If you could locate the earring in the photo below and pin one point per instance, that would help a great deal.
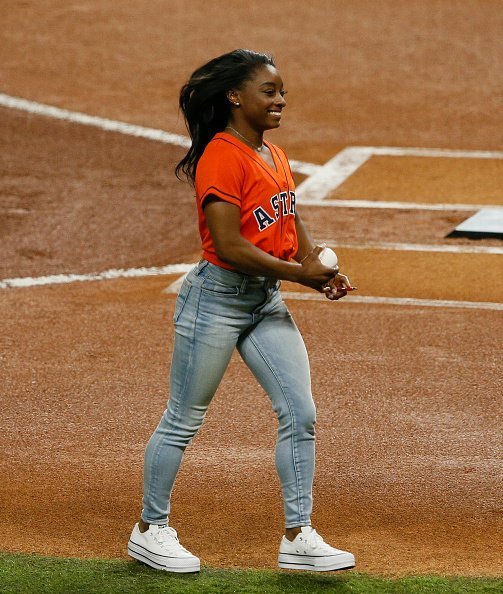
(236, 104)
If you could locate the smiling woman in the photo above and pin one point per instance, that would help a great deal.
(257, 107)
(252, 237)
(211, 97)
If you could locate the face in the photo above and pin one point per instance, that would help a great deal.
(261, 99)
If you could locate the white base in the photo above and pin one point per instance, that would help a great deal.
(486, 220)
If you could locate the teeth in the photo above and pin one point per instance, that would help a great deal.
(275, 112)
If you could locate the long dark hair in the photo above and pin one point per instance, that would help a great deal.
(204, 102)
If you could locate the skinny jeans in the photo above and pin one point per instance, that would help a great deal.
(216, 311)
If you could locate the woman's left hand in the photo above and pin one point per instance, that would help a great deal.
(337, 287)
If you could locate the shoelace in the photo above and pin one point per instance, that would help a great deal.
(314, 540)
(167, 537)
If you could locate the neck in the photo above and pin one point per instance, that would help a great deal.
(253, 138)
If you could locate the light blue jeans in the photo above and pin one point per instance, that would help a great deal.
(216, 311)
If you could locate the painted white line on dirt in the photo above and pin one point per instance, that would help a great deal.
(390, 204)
(121, 127)
(94, 121)
(304, 168)
(182, 269)
(298, 296)
(333, 173)
(322, 178)
(337, 170)
(174, 287)
(58, 279)
(414, 247)
(394, 151)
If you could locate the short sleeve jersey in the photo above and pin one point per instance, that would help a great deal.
(234, 173)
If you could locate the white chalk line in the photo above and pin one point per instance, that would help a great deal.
(60, 279)
(77, 117)
(182, 269)
(298, 296)
(115, 126)
(394, 151)
(336, 203)
(414, 247)
(338, 169)
(333, 174)
(322, 179)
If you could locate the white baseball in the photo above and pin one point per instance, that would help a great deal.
(328, 257)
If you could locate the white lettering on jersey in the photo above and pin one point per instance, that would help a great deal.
(284, 202)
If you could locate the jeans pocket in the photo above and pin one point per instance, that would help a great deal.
(216, 288)
(181, 300)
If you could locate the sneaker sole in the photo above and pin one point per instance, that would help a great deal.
(307, 563)
(158, 562)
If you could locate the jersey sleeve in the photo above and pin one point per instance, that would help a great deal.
(220, 172)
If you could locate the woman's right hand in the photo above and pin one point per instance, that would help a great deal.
(313, 273)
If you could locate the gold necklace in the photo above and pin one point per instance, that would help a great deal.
(257, 148)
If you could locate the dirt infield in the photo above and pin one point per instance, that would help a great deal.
(418, 73)
(409, 416)
(407, 432)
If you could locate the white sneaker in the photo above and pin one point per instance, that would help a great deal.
(309, 551)
(159, 547)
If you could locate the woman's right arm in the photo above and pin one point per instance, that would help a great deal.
(224, 223)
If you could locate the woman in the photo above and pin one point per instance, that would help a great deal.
(252, 237)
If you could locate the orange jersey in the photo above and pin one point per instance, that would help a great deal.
(233, 172)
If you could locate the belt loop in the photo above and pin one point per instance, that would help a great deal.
(244, 284)
(272, 284)
(201, 266)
